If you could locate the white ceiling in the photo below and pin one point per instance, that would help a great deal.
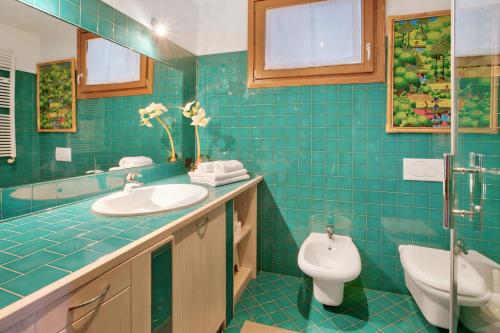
(217, 26)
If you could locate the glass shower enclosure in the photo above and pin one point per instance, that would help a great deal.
(472, 169)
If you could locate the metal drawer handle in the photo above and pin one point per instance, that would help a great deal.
(92, 300)
(203, 222)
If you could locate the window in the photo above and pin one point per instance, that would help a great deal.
(106, 69)
(297, 42)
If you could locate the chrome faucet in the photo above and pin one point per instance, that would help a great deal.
(329, 231)
(131, 182)
(461, 247)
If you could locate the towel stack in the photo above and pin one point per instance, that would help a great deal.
(219, 173)
(132, 162)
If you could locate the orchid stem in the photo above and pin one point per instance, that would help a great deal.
(198, 150)
(172, 147)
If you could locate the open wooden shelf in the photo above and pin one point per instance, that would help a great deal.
(245, 244)
(245, 231)
(241, 279)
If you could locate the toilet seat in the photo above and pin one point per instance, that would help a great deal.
(430, 268)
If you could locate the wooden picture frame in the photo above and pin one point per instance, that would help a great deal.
(419, 79)
(56, 96)
(144, 86)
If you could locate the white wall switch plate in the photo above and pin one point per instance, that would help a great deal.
(63, 154)
(423, 169)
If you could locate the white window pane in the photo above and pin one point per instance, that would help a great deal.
(477, 25)
(312, 35)
(108, 62)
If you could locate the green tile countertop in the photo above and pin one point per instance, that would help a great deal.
(39, 249)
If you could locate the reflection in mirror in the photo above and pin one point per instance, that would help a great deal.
(93, 130)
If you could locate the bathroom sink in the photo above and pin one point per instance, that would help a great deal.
(149, 200)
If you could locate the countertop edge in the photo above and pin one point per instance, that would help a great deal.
(29, 305)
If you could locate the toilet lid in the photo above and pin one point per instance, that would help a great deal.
(432, 267)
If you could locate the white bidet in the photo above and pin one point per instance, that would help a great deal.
(331, 263)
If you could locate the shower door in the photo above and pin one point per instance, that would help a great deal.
(472, 180)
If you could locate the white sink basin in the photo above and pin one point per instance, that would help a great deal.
(149, 200)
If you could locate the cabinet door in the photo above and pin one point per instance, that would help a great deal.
(204, 274)
(113, 316)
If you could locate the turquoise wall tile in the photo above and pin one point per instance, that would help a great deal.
(327, 160)
(70, 12)
(29, 247)
(49, 6)
(71, 245)
(90, 5)
(77, 260)
(28, 283)
(88, 20)
(6, 275)
(32, 261)
(7, 298)
(109, 245)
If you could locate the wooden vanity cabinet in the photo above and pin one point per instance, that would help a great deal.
(200, 271)
(121, 300)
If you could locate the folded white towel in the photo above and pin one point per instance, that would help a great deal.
(116, 168)
(227, 166)
(206, 167)
(217, 176)
(197, 180)
(135, 161)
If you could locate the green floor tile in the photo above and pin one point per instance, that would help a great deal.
(295, 308)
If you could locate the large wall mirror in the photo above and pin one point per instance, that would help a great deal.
(87, 124)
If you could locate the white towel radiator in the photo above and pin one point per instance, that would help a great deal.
(7, 101)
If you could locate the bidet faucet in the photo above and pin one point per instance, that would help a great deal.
(131, 182)
(329, 231)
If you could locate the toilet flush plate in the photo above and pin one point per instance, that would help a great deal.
(423, 169)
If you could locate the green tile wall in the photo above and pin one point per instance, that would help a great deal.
(327, 160)
(108, 129)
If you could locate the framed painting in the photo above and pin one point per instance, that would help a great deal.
(419, 80)
(419, 73)
(56, 96)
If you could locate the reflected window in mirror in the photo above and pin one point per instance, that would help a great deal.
(106, 69)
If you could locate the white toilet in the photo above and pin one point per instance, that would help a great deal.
(427, 276)
(331, 263)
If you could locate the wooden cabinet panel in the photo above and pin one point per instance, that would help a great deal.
(25, 326)
(204, 274)
(113, 316)
(59, 314)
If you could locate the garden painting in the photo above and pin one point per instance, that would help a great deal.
(419, 90)
(56, 96)
(419, 80)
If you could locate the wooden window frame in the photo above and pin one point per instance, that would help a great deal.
(144, 86)
(370, 70)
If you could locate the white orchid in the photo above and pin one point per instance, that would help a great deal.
(200, 119)
(154, 111)
(187, 109)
